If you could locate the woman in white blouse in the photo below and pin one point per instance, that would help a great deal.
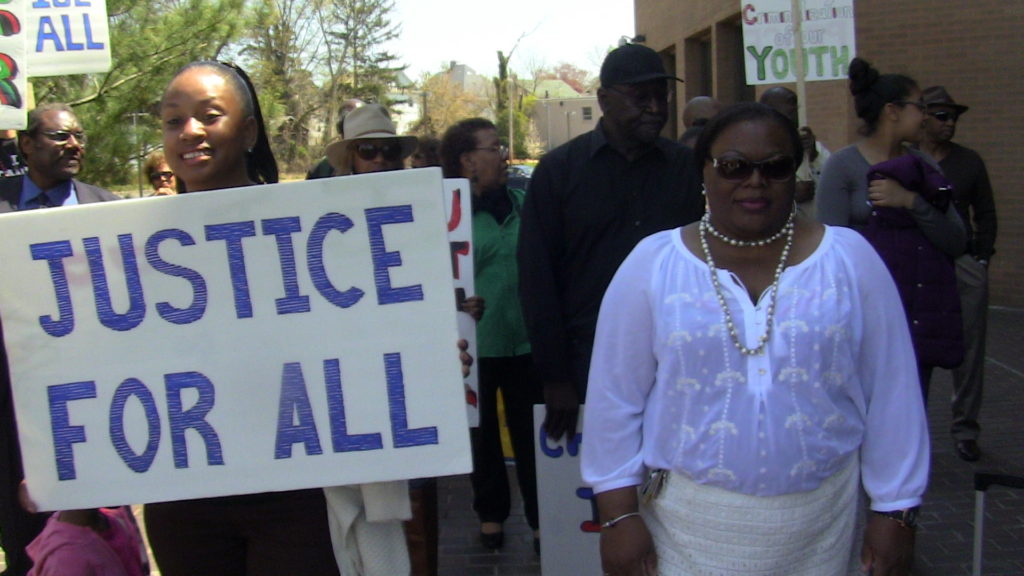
(753, 371)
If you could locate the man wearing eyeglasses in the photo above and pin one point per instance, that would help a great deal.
(972, 196)
(591, 201)
(53, 146)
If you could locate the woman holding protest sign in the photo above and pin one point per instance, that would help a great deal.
(214, 138)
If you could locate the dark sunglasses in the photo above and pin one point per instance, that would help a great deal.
(62, 136)
(736, 169)
(389, 151)
(161, 176)
(944, 116)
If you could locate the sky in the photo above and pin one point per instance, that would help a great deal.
(435, 32)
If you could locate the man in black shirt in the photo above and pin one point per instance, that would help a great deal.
(972, 196)
(591, 201)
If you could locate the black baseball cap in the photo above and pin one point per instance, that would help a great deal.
(632, 64)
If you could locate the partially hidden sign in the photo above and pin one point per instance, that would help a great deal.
(67, 37)
(769, 45)
(236, 341)
(13, 71)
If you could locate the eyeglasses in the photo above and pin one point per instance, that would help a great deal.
(502, 151)
(62, 136)
(736, 169)
(390, 151)
(161, 176)
(915, 103)
(641, 100)
(944, 116)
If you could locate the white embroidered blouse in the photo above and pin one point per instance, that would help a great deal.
(668, 389)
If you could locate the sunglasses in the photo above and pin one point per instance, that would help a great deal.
(944, 116)
(390, 151)
(62, 136)
(161, 176)
(778, 169)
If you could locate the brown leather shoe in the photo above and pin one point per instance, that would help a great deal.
(968, 450)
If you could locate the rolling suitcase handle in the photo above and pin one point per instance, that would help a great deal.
(982, 482)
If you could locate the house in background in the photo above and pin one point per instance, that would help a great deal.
(561, 114)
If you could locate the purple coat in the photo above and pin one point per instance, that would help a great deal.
(924, 275)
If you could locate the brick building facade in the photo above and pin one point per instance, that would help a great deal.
(973, 48)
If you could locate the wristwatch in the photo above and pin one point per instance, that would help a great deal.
(906, 517)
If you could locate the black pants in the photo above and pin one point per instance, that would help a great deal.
(271, 534)
(17, 527)
(520, 390)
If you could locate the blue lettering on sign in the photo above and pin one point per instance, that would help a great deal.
(282, 229)
(556, 451)
(48, 33)
(315, 259)
(69, 43)
(90, 44)
(341, 440)
(65, 436)
(232, 234)
(376, 218)
(403, 437)
(54, 253)
(59, 3)
(295, 402)
(132, 387)
(166, 311)
(195, 417)
(104, 308)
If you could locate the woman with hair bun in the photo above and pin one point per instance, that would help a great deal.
(897, 197)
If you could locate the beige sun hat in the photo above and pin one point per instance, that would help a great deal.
(369, 121)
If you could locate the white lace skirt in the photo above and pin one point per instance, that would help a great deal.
(707, 531)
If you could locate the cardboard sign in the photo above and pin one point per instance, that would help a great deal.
(236, 341)
(569, 527)
(459, 214)
(67, 37)
(829, 40)
(13, 86)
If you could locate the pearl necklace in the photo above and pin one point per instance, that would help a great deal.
(747, 243)
(762, 342)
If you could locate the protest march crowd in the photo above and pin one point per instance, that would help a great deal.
(747, 321)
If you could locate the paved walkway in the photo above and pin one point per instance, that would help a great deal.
(944, 541)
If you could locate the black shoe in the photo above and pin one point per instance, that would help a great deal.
(968, 450)
(492, 541)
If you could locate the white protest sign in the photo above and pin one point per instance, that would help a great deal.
(13, 89)
(569, 528)
(237, 341)
(67, 37)
(769, 48)
(458, 213)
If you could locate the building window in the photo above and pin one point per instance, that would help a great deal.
(588, 113)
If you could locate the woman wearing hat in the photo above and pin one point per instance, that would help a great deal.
(370, 143)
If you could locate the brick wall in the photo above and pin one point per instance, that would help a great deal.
(973, 48)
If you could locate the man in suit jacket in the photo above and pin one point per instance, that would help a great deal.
(53, 146)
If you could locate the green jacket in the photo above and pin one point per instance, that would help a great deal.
(501, 331)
